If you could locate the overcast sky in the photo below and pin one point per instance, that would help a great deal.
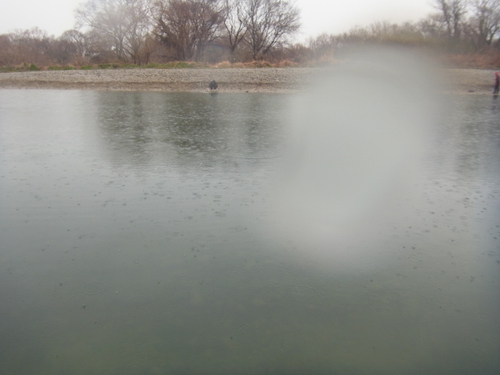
(317, 16)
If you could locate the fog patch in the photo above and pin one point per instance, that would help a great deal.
(356, 140)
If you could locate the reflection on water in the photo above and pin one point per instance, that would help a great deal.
(133, 241)
(185, 131)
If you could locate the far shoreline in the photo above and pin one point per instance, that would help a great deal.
(163, 80)
(230, 80)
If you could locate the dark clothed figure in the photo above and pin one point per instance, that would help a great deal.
(497, 83)
(213, 85)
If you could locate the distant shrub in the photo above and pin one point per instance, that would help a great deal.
(152, 66)
(223, 64)
(86, 67)
(54, 68)
(286, 64)
(108, 66)
(33, 67)
(175, 65)
(183, 64)
(485, 60)
(7, 69)
(259, 64)
(68, 67)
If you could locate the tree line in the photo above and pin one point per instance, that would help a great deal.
(142, 32)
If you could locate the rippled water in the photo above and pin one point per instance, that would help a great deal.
(135, 240)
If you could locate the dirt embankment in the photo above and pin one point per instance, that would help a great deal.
(229, 80)
(468, 81)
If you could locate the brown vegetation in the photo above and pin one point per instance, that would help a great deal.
(241, 33)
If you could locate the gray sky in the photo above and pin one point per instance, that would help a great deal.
(318, 16)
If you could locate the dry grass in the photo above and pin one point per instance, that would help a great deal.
(256, 64)
(487, 60)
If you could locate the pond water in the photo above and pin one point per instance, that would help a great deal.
(136, 237)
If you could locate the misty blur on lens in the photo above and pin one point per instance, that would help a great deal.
(357, 136)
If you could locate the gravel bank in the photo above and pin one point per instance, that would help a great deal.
(470, 81)
(230, 80)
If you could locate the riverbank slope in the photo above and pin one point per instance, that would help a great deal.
(477, 81)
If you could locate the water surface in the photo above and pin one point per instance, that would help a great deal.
(135, 240)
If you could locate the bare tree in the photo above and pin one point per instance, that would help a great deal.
(432, 27)
(79, 45)
(234, 24)
(451, 14)
(124, 24)
(268, 23)
(32, 46)
(188, 26)
(323, 47)
(7, 55)
(98, 48)
(484, 24)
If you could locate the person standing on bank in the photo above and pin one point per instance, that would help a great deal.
(497, 83)
(212, 86)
